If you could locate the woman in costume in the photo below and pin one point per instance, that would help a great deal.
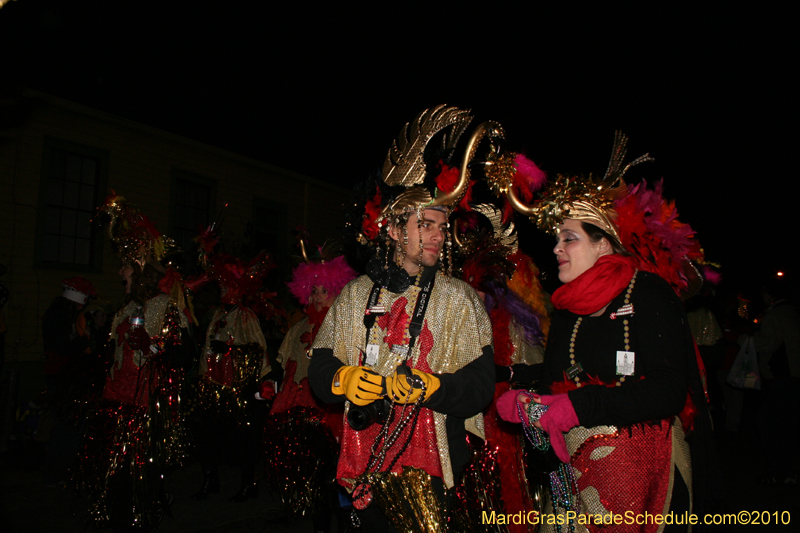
(135, 434)
(303, 432)
(507, 281)
(224, 413)
(620, 363)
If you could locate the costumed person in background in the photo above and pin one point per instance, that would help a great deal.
(136, 434)
(59, 327)
(710, 341)
(495, 479)
(408, 347)
(224, 414)
(620, 365)
(778, 346)
(303, 433)
(64, 347)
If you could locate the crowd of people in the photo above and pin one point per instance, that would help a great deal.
(440, 386)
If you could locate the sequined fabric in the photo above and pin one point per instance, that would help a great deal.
(236, 326)
(409, 500)
(295, 390)
(705, 328)
(458, 329)
(294, 348)
(137, 430)
(627, 470)
(135, 375)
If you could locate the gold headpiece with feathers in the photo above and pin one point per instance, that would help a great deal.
(575, 197)
(504, 235)
(135, 238)
(405, 165)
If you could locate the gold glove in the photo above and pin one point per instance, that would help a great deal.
(401, 390)
(359, 384)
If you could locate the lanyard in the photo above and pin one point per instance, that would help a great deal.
(372, 312)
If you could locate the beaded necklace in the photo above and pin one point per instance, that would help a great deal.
(626, 310)
(362, 494)
(563, 483)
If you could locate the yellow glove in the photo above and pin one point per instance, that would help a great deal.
(359, 384)
(401, 391)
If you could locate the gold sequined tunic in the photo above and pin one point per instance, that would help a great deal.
(455, 333)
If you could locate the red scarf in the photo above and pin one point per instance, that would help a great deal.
(595, 288)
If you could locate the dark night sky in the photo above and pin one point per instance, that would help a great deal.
(324, 90)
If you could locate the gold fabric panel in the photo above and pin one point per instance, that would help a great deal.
(155, 311)
(579, 434)
(242, 326)
(704, 326)
(293, 348)
(523, 352)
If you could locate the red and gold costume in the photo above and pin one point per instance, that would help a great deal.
(455, 344)
(137, 430)
(303, 432)
(369, 331)
(226, 374)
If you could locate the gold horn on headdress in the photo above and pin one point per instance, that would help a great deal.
(405, 164)
(573, 197)
(489, 129)
(303, 251)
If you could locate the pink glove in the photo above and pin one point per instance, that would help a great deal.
(559, 418)
(507, 406)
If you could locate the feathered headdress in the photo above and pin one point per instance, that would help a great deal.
(242, 282)
(491, 261)
(640, 219)
(321, 266)
(409, 182)
(134, 237)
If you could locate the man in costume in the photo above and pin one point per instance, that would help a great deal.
(407, 338)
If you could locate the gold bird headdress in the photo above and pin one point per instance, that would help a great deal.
(134, 236)
(405, 165)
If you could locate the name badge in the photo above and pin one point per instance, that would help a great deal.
(371, 355)
(626, 361)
